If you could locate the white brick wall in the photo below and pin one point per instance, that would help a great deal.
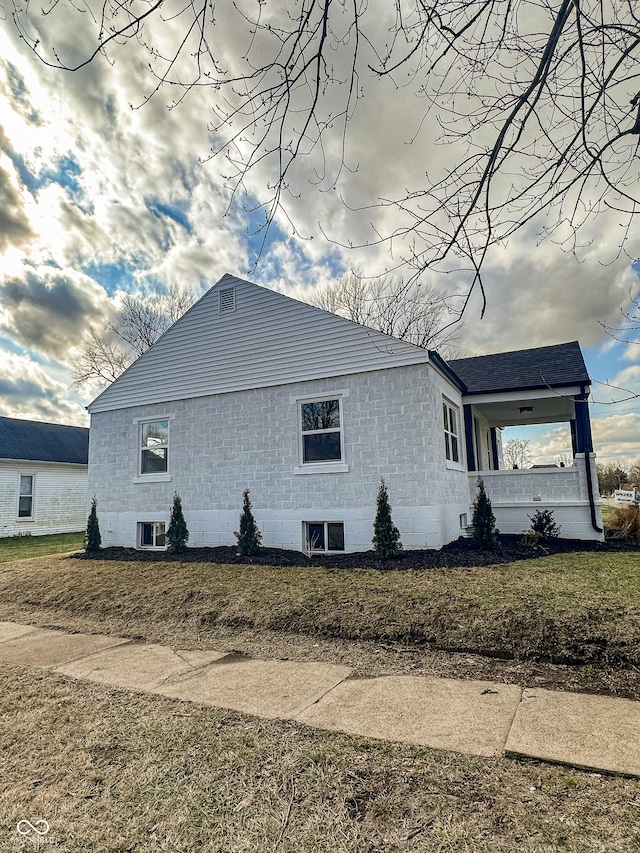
(222, 444)
(516, 495)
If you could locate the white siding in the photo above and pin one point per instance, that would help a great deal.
(219, 445)
(60, 498)
(268, 339)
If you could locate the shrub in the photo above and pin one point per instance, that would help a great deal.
(544, 524)
(485, 532)
(386, 536)
(624, 523)
(249, 536)
(178, 533)
(92, 538)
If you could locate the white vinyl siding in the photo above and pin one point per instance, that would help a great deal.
(269, 339)
(59, 498)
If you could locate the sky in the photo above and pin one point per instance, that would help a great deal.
(103, 194)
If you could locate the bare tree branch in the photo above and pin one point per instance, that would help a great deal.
(139, 324)
(540, 100)
(413, 312)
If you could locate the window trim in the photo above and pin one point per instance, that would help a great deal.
(32, 495)
(157, 476)
(450, 406)
(326, 549)
(327, 465)
(153, 547)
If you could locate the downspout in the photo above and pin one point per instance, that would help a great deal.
(592, 504)
(584, 438)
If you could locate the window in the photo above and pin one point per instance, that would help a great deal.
(321, 430)
(323, 535)
(154, 452)
(450, 432)
(25, 496)
(151, 534)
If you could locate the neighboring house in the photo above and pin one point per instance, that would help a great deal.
(43, 477)
(253, 389)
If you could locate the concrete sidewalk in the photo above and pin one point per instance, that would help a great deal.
(474, 717)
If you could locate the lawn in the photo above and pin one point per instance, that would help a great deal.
(574, 608)
(113, 771)
(580, 606)
(21, 547)
(116, 771)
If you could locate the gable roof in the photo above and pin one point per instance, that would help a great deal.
(41, 442)
(251, 338)
(523, 370)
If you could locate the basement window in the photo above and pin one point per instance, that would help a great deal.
(151, 534)
(323, 536)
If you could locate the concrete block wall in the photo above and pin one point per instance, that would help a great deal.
(516, 495)
(222, 444)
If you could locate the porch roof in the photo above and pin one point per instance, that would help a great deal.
(555, 366)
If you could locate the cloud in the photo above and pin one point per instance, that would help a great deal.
(48, 311)
(27, 391)
(15, 229)
(617, 437)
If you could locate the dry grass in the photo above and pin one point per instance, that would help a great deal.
(624, 523)
(114, 772)
(582, 607)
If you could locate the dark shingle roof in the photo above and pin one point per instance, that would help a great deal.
(43, 442)
(555, 366)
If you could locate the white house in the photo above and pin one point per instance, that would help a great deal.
(253, 389)
(43, 477)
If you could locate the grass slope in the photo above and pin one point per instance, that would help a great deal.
(581, 607)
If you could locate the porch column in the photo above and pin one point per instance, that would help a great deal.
(468, 435)
(494, 449)
(583, 439)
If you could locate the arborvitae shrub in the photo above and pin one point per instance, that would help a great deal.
(178, 533)
(485, 532)
(249, 537)
(386, 536)
(92, 538)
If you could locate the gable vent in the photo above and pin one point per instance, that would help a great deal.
(227, 299)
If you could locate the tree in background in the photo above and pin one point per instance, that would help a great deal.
(537, 102)
(610, 477)
(177, 532)
(563, 460)
(386, 536)
(138, 324)
(249, 536)
(516, 453)
(92, 538)
(485, 532)
(403, 309)
(633, 475)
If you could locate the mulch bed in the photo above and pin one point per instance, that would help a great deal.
(462, 552)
